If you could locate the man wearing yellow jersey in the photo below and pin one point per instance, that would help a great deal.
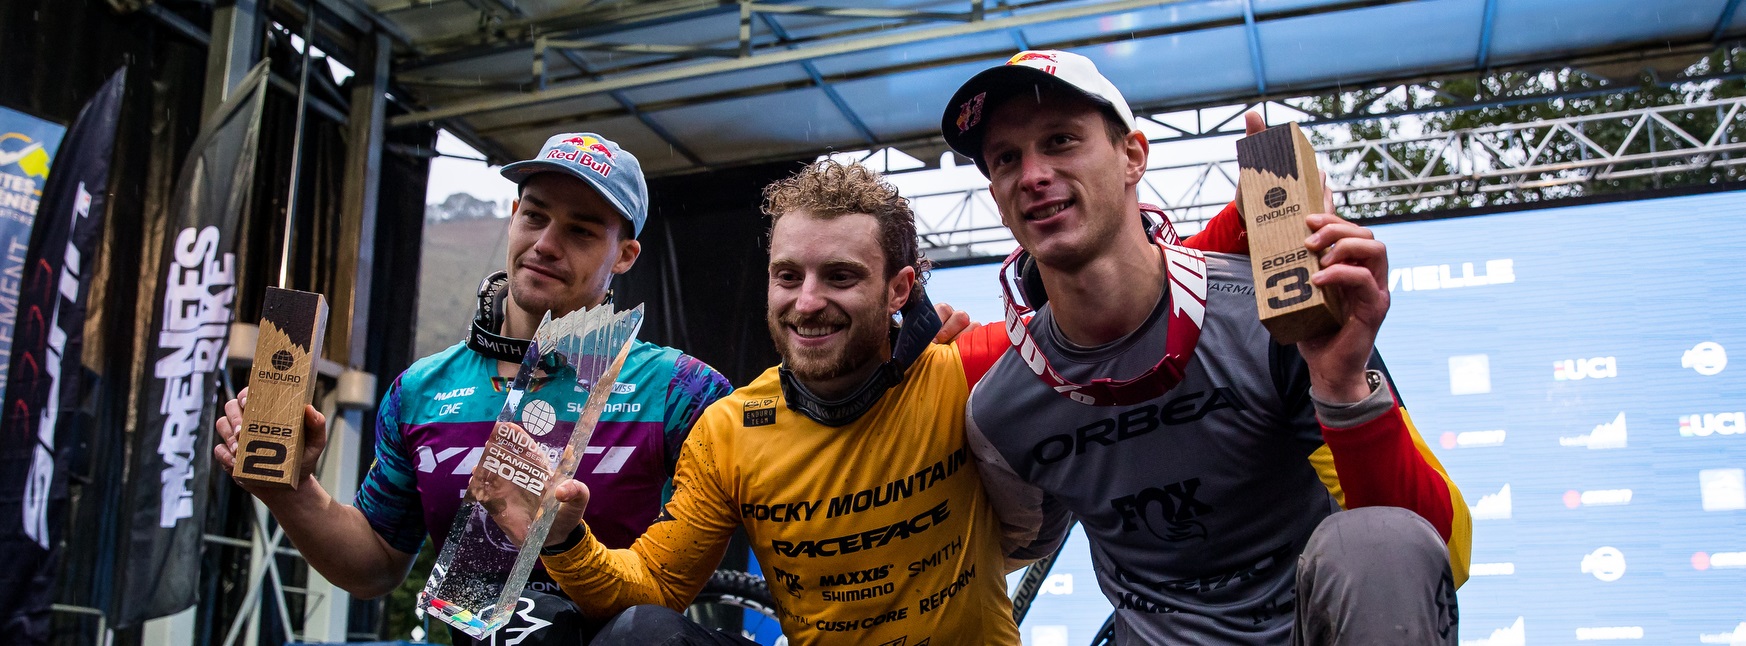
(846, 465)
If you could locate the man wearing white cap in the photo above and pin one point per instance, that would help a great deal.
(1209, 465)
(581, 204)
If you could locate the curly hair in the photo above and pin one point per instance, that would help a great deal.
(828, 189)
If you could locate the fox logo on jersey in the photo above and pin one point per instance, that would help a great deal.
(791, 581)
(1168, 513)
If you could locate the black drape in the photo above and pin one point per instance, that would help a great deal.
(57, 52)
(702, 272)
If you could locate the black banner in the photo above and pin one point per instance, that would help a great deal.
(45, 367)
(185, 348)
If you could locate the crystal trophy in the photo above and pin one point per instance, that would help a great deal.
(507, 512)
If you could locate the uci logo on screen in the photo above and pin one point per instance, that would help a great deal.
(1578, 369)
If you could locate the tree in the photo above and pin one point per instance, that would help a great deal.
(1425, 144)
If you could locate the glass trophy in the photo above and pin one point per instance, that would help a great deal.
(507, 512)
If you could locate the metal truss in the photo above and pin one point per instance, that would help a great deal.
(1415, 96)
(314, 611)
(1494, 87)
(265, 578)
(1393, 100)
(1466, 167)
(277, 597)
(504, 28)
(1542, 154)
(679, 63)
(558, 40)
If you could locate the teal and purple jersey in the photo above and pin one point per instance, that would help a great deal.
(432, 426)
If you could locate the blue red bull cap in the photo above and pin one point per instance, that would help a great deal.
(963, 122)
(611, 171)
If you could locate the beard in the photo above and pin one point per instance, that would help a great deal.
(533, 300)
(543, 294)
(863, 337)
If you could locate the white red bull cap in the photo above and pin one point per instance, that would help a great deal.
(611, 171)
(962, 124)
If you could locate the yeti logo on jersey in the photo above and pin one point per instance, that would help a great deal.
(612, 459)
(1168, 513)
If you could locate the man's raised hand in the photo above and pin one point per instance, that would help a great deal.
(228, 424)
(1354, 264)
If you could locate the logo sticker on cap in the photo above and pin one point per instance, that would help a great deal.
(591, 144)
(606, 167)
(1031, 56)
(1021, 57)
(583, 146)
(586, 142)
(970, 113)
(1066, 70)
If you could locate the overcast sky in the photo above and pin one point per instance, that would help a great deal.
(449, 175)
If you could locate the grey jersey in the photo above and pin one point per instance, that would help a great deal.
(1198, 502)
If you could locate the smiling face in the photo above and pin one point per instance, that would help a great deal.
(1064, 188)
(830, 304)
(565, 244)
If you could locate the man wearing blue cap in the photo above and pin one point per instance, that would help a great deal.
(581, 204)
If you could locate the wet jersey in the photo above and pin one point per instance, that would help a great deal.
(875, 532)
(432, 426)
(1197, 502)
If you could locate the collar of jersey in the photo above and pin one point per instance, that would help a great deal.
(920, 324)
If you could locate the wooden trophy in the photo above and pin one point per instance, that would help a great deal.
(1282, 185)
(281, 382)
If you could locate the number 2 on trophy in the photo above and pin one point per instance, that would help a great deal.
(262, 454)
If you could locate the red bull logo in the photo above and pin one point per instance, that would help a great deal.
(1023, 57)
(1031, 56)
(584, 159)
(585, 142)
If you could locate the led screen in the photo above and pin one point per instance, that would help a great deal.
(1569, 367)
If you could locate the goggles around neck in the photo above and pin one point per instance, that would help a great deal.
(1185, 275)
(488, 319)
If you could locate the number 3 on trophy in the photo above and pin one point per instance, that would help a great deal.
(1295, 288)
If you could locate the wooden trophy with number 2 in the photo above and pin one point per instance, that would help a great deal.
(269, 446)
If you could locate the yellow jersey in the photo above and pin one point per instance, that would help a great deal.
(876, 532)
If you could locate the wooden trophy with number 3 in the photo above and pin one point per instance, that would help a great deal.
(1281, 186)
